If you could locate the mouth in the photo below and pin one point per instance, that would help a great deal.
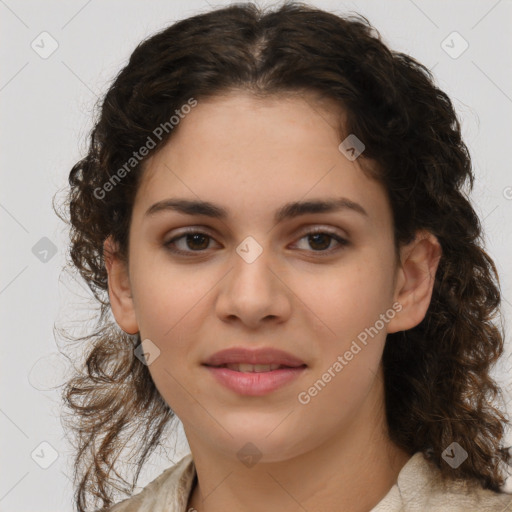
(254, 371)
(255, 368)
(253, 360)
(254, 379)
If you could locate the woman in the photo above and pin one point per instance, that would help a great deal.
(273, 208)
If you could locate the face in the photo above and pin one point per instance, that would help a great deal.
(310, 285)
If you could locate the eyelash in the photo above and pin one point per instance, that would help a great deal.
(341, 241)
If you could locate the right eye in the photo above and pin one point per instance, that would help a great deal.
(197, 241)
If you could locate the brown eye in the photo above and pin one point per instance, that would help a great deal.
(193, 241)
(187, 243)
(197, 241)
(320, 240)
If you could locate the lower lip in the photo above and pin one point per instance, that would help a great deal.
(253, 383)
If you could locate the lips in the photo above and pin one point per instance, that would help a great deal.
(252, 368)
(254, 372)
(253, 360)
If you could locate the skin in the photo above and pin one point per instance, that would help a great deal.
(251, 156)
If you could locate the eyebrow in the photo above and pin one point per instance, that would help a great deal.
(287, 211)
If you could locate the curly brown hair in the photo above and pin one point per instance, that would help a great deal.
(438, 387)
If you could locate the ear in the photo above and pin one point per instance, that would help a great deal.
(119, 289)
(415, 280)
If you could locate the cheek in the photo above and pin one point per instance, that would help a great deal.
(165, 295)
(170, 304)
(345, 301)
(340, 398)
(351, 304)
(174, 327)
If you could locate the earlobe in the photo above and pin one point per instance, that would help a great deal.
(119, 288)
(415, 280)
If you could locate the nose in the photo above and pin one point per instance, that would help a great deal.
(254, 292)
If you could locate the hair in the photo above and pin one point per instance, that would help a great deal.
(438, 386)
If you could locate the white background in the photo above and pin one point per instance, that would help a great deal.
(46, 114)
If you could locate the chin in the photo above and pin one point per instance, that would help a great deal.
(262, 443)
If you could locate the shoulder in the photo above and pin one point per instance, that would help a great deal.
(420, 488)
(167, 493)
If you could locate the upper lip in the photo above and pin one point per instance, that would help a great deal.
(253, 356)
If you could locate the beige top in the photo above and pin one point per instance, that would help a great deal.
(418, 489)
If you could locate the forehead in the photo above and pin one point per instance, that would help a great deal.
(253, 155)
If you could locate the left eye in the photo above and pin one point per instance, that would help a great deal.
(198, 241)
(322, 240)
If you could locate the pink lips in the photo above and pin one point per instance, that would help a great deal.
(253, 356)
(254, 383)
